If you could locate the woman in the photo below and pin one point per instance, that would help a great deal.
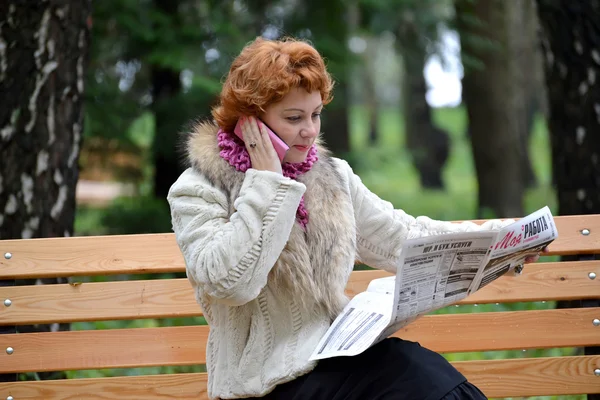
(269, 245)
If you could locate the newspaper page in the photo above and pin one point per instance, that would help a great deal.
(358, 326)
(438, 271)
(526, 237)
(433, 272)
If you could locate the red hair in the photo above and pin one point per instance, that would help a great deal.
(266, 71)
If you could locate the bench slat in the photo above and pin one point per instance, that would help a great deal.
(145, 347)
(129, 254)
(496, 378)
(91, 256)
(533, 376)
(165, 298)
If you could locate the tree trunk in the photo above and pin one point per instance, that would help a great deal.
(570, 37)
(571, 43)
(43, 56)
(166, 86)
(372, 106)
(335, 126)
(524, 51)
(363, 72)
(429, 145)
(490, 99)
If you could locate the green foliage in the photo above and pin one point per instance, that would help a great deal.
(137, 215)
(416, 23)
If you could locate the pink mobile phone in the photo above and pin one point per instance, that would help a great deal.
(280, 147)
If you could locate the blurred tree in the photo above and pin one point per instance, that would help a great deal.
(371, 97)
(570, 38)
(527, 75)
(493, 103)
(416, 25)
(364, 70)
(43, 57)
(428, 144)
(165, 84)
(524, 56)
(326, 25)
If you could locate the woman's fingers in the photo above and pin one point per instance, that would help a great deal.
(259, 146)
(532, 259)
(264, 134)
(535, 258)
(251, 137)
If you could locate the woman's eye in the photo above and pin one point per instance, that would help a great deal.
(293, 119)
(316, 115)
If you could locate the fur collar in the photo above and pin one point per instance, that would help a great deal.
(315, 265)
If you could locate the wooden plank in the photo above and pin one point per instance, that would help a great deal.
(543, 281)
(505, 330)
(145, 347)
(157, 298)
(544, 376)
(111, 348)
(190, 386)
(166, 298)
(90, 256)
(539, 282)
(156, 253)
(496, 378)
(571, 240)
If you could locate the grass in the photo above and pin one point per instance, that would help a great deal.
(387, 171)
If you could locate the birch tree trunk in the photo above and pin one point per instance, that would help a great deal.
(570, 37)
(571, 45)
(43, 57)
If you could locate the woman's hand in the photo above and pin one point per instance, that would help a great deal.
(259, 146)
(532, 259)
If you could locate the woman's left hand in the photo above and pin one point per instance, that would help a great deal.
(535, 258)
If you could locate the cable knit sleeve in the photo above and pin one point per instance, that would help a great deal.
(381, 229)
(229, 258)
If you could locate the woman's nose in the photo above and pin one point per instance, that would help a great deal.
(310, 131)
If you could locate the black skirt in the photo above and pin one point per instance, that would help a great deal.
(393, 369)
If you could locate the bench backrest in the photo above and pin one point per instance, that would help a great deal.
(160, 330)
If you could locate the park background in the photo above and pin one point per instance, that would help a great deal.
(452, 109)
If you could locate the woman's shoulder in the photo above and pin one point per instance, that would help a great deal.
(192, 182)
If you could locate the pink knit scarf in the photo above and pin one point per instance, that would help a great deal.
(234, 151)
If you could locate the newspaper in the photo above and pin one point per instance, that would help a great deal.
(434, 272)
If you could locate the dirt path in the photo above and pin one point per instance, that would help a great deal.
(101, 193)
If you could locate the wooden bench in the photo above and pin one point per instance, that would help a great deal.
(123, 295)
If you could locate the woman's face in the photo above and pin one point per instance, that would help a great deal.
(297, 121)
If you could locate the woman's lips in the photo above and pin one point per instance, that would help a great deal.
(301, 148)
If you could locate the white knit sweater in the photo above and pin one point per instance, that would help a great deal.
(260, 334)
